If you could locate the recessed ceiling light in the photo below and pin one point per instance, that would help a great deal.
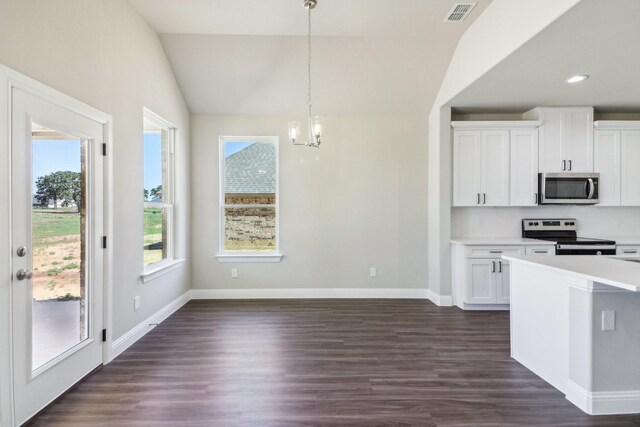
(576, 79)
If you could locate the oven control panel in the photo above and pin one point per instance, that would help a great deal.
(562, 224)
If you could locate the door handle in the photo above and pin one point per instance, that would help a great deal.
(500, 265)
(569, 164)
(23, 274)
(592, 188)
(564, 165)
(493, 266)
(477, 198)
(535, 198)
(484, 198)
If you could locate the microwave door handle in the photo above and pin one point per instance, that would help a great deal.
(592, 188)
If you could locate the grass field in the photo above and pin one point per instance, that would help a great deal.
(56, 250)
(56, 254)
(152, 234)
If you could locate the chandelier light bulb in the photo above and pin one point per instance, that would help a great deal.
(294, 131)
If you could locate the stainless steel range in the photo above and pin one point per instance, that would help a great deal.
(563, 231)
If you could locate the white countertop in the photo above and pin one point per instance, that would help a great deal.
(507, 241)
(613, 271)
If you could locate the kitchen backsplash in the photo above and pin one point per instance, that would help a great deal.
(593, 221)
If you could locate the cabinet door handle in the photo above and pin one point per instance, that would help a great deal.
(495, 252)
(564, 165)
(630, 251)
(569, 164)
(535, 198)
(540, 252)
(493, 266)
(500, 265)
(484, 198)
(477, 198)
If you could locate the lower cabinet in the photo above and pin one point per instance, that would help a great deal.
(481, 278)
(487, 281)
(628, 250)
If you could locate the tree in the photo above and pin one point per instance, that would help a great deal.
(156, 193)
(62, 187)
(146, 195)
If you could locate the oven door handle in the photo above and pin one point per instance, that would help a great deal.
(596, 247)
(592, 188)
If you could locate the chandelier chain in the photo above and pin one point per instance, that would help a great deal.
(309, 56)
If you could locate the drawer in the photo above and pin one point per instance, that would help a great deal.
(628, 250)
(541, 250)
(493, 251)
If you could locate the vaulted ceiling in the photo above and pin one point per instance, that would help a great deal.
(249, 56)
(597, 38)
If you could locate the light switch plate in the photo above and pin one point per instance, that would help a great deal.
(234, 273)
(136, 303)
(373, 272)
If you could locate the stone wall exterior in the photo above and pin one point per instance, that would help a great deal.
(250, 228)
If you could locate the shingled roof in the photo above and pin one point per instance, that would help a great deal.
(251, 170)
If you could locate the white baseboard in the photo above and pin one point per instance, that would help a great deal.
(603, 402)
(440, 300)
(310, 293)
(128, 339)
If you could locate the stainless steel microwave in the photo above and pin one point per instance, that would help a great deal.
(568, 188)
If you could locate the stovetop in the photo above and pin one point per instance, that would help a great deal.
(563, 240)
(563, 231)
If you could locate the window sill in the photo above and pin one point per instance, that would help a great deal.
(160, 268)
(249, 257)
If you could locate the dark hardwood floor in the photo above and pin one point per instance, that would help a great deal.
(320, 363)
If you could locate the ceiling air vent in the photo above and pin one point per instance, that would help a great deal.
(459, 12)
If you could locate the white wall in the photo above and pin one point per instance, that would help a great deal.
(481, 48)
(104, 54)
(357, 202)
(593, 221)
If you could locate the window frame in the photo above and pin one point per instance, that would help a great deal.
(245, 256)
(153, 270)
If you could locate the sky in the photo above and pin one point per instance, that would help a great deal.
(152, 160)
(55, 155)
(232, 147)
(64, 155)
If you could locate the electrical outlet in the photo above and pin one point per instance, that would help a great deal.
(136, 303)
(234, 273)
(373, 272)
(608, 320)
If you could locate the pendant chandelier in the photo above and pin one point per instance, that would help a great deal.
(314, 122)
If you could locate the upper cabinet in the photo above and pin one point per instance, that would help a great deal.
(565, 138)
(524, 167)
(617, 156)
(481, 168)
(495, 163)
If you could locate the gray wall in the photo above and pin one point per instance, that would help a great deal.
(357, 202)
(104, 54)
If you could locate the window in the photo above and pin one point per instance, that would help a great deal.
(158, 191)
(249, 199)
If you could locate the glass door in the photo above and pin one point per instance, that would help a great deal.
(57, 257)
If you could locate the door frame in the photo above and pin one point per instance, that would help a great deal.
(10, 79)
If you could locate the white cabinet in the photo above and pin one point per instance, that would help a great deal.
(541, 250)
(524, 167)
(630, 168)
(628, 250)
(481, 168)
(616, 159)
(481, 278)
(481, 287)
(566, 138)
(487, 281)
(606, 147)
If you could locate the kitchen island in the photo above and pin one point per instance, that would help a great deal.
(575, 322)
